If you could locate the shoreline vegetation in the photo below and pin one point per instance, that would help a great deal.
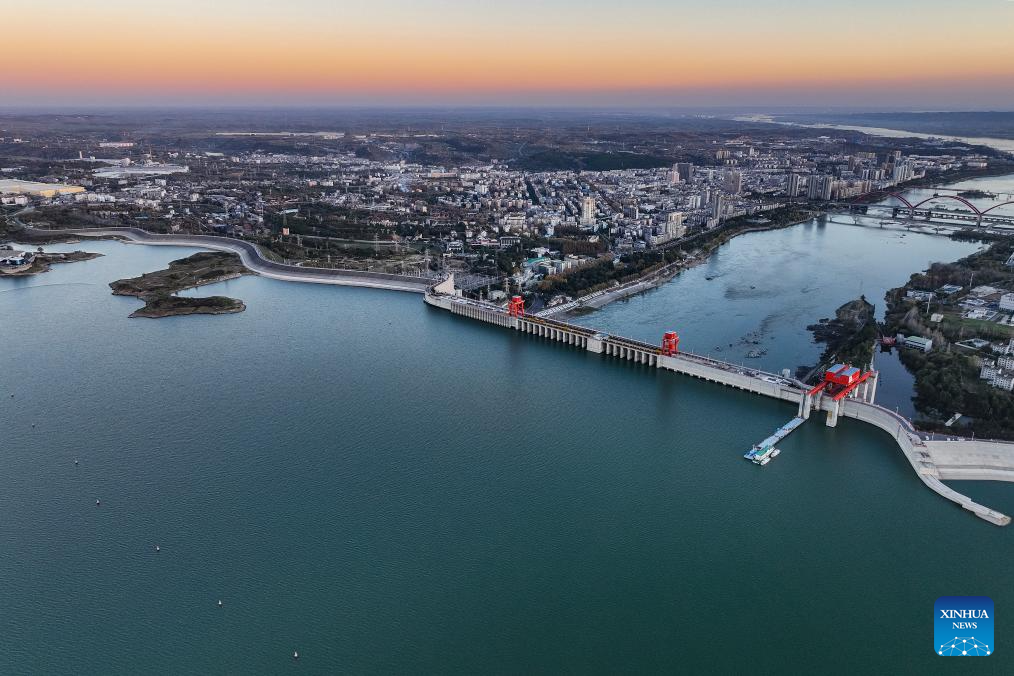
(597, 296)
(643, 271)
(157, 289)
(947, 378)
(591, 298)
(848, 338)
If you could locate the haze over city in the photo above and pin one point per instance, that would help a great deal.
(864, 53)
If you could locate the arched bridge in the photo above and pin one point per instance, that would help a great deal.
(975, 210)
(923, 211)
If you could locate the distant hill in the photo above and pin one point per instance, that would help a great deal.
(981, 124)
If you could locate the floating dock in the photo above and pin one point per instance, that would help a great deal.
(763, 452)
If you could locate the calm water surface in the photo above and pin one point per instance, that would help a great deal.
(759, 292)
(388, 488)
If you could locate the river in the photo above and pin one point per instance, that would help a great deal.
(388, 488)
(758, 293)
(1005, 145)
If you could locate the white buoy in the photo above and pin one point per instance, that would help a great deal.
(98, 502)
(295, 655)
(219, 603)
(157, 548)
(75, 462)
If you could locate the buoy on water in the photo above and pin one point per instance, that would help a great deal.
(219, 603)
(98, 502)
(295, 655)
(157, 548)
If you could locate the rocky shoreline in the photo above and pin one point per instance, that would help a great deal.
(158, 289)
(175, 306)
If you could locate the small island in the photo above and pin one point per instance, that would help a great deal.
(14, 263)
(157, 289)
(976, 194)
(848, 338)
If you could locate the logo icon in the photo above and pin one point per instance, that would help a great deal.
(963, 626)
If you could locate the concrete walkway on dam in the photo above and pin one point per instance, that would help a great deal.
(255, 261)
(933, 461)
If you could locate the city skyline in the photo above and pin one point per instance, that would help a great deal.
(927, 55)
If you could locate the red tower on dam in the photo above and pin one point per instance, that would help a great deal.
(841, 381)
(670, 343)
(516, 307)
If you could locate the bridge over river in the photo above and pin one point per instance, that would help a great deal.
(933, 461)
(932, 209)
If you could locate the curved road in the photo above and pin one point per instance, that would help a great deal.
(255, 261)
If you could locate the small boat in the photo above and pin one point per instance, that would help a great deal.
(775, 452)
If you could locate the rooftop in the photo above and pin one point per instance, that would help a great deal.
(19, 187)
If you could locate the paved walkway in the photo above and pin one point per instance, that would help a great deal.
(254, 260)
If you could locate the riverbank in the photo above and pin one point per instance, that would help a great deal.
(967, 334)
(996, 168)
(653, 277)
(658, 276)
(253, 258)
(848, 337)
(157, 289)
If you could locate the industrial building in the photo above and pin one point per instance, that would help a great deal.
(13, 186)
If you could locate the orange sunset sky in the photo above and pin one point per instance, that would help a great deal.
(639, 52)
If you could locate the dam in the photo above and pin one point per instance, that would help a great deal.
(933, 461)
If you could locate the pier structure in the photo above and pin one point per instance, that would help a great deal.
(852, 397)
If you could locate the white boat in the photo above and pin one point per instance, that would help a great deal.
(775, 452)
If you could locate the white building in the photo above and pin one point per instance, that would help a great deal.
(733, 182)
(674, 227)
(588, 210)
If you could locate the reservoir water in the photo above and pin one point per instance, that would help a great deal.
(388, 488)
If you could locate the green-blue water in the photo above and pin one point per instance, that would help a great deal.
(388, 488)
